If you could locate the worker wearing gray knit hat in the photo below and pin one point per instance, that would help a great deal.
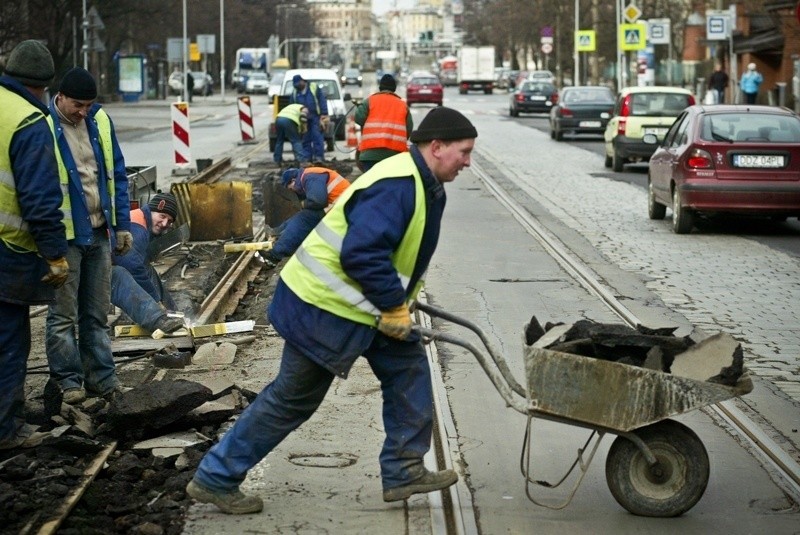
(33, 245)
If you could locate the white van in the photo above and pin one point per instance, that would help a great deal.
(328, 80)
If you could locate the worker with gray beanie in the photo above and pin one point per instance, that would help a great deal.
(385, 122)
(33, 245)
(346, 293)
(97, 218)
(136, 287)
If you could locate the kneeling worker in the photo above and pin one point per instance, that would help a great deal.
(318, 188)
(136, 287)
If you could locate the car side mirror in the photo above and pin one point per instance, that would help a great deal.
(650, 139)
(347, 97)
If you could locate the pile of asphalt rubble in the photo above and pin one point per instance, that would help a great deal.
(156, 433)
(655, 349)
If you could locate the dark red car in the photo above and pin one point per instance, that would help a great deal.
(424, 87)
(739, 159)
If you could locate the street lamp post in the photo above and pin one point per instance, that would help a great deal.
(222, 48)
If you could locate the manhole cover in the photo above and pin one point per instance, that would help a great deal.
(323, 460)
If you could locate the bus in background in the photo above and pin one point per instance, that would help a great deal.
(249, 60)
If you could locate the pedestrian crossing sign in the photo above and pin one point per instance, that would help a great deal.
(585, 41)
(633, 36)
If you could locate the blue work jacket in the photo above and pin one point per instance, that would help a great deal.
(80, 212)
(137, 260)
(377, 220)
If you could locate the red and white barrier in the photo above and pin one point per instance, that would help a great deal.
(180, 137)
(246, 120)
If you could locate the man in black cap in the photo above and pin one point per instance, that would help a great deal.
(136, 287)
(95, 209)
(385, 124)
(346, 293)
(33, 246)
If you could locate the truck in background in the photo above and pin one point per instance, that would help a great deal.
(448, 70)
(476, 69)
(249, 60)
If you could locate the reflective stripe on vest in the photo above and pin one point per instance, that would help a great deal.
(335, 186)
(385, 127)
(16, 113)
(315, 274)
(63, 181)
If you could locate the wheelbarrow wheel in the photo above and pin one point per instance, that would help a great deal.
(671, 487)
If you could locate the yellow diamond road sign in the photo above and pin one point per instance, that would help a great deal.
(632, 13)
(633, 36)
(585, 41)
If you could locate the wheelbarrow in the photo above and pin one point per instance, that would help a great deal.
(655, 467)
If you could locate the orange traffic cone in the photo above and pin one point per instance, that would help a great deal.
(352, 137)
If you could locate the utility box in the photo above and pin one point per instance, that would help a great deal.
(141, 184)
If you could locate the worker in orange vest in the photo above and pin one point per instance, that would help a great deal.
(385, 123)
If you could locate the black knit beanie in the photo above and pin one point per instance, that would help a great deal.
(164, 203)
(31, 63)
(444, 124)
(79, 84)
(387, 83)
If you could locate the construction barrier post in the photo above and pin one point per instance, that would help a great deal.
(246, 120)
(352, 136)
(180, 139)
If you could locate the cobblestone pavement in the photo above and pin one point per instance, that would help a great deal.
(718, 282)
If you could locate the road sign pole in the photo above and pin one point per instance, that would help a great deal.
(618, 8)
(576, 78)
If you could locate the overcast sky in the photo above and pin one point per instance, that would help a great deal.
(380, 7)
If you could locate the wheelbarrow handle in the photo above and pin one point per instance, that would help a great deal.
(500, 374)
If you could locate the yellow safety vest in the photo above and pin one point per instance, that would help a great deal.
(292, 111)
(315, 274)
(16, 113)
(63, 180)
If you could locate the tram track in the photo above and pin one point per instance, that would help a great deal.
(784, 470)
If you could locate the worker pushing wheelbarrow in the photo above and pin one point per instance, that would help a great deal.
(656, 466)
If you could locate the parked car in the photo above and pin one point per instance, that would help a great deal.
(639, 111)
(581, 110)
(328, 81)
(726, 159)
(257, 82)
(203, 83)
(352, 77)
(424, 87)
(532, 97)
(275, 83)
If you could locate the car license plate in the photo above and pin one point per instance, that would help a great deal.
(757, 160)
(589, 124)
(538, 97)
(660, 132)
(425, 91)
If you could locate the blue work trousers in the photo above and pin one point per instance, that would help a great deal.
(294, 230)
(77, 340)
(133, 299)
(287, 131)
(15, 345)
(297, 391)
(314, 140)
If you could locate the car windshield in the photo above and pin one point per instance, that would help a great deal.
(588, 96)
(760, 127)
(330, 88)
(425, 81)
(536, 87)
(351, 73)
(658, 104)
(258, 76)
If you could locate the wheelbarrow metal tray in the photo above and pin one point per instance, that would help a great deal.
(611, 395)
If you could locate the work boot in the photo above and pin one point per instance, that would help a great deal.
(232, 503)
(168, 324)
(26, 437)
(429, 482)
(73, 396)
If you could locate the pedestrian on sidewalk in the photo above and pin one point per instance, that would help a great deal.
(749, 84)
(385, 122)
(313, 98)
(291, 124)
(318, 188)
(136, 287)
(345, 293)
(33, 246)
(97, 217)
(717, 82)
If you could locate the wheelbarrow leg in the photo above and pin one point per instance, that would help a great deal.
(669, 486)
